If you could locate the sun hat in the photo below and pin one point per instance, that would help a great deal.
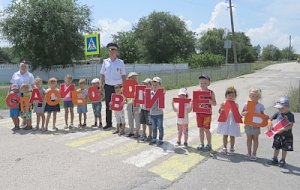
(283, 101)
(157, 79)
(95, 80)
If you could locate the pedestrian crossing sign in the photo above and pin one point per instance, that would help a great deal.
(92, 44)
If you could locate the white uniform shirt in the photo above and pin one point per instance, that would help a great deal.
(19, 79)
(113, 71)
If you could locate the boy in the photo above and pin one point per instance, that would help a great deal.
(15, 112)
(284, 138)
(120, 115)
(145, 119)
(97, 104)
(157, 114)
(82, 108)
(204, 119)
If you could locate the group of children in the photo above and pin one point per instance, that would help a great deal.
(139, 115)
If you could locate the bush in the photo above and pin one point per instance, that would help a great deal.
(294, 98)
(205, 59)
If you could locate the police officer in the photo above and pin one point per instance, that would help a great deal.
(112, 73)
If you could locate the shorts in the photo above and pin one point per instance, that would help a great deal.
(283, 141)
(82, 108)
(55, 108)
(97, 106)
(145, 117)
(38, 107)
(120, 117)
(249, 130)
(26, 115)
(203, 120)
(14, 112)
(68, 104)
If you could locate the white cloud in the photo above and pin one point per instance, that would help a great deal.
(109, 28)
(219, 18)
(271, 33)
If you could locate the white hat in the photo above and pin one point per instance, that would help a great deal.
(183, 91)
(132, 74)
(157, 79)
(95, 80)
(147, 80)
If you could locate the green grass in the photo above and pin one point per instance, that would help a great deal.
(178, 79)
(294, 98)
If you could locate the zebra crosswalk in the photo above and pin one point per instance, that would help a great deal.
(169, 161)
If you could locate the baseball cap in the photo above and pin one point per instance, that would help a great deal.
(204, 77)
(95, 80)
(157, 79)
(283, 101)
(183, 91)
(14, 87)
(132, 74)
(147, 80)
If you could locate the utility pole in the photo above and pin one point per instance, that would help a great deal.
(290, 48)
(233, 34)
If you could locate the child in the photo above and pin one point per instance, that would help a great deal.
(82, 108)
(182, 123)
(251, 131)
(26, 111)
(68, 104)
(39, 107)
(97, 104)
(203, 119)
(120, 115)
(157, 114)
(145, 119)
(229, 127)
(284, 138)
(15, 112)
(52, 84)
(133, 112)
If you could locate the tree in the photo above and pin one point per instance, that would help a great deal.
(271, 52)
(46, 32)
(212, 41)
(165, 37)
(288, 53)
(129, 47)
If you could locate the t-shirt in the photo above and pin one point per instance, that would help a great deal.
(113, 71)
(155, 110)
(19, 79)
(279, 116)
(259, 108)
(184, 120)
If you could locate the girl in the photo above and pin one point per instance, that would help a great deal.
(182, 123)
(39, 107)
(15, 112)
(82, 108)
(229, 127)
(120, 115)
(68, 104)
(52, 83)
(251, 131)
(26, 111)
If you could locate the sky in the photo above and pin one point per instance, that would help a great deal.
(264, 21)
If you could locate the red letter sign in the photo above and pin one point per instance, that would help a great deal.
(12, 100)
(64, 91)
(129, 88)
(36, 96)
(94, 94)
(158, 96)
(181, 105)
(139, 94)
(201, 102)
(116, 102)
(230, 105)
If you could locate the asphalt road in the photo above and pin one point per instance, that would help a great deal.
(96, 159)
